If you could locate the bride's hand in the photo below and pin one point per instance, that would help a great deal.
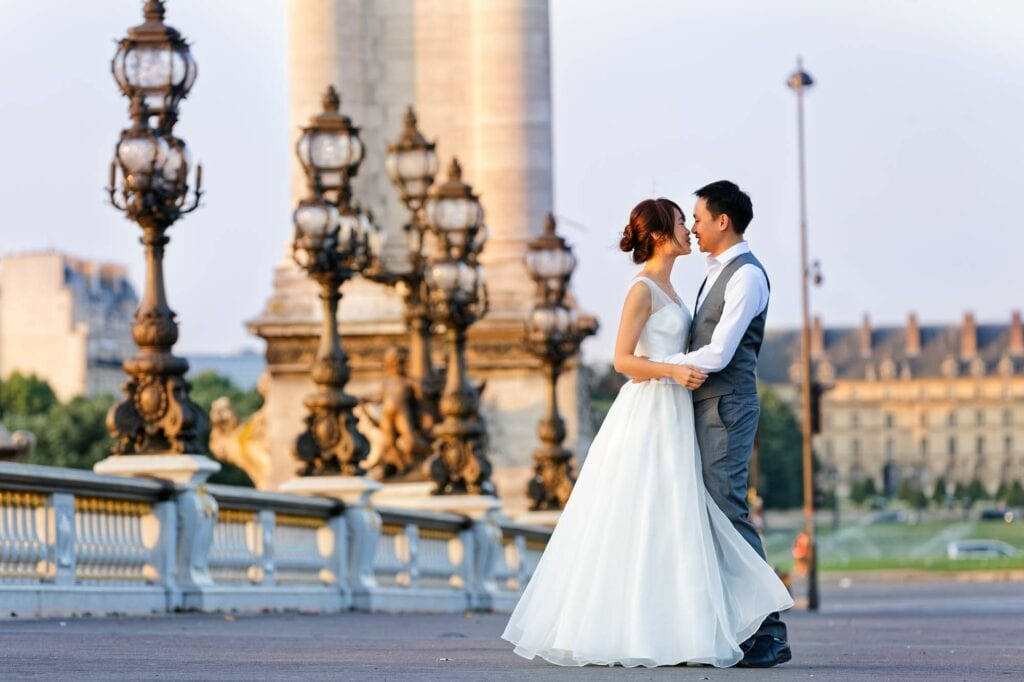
(690, 377)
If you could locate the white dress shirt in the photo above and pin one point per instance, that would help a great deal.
(746, 297)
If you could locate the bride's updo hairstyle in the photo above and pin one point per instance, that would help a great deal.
(650, 221)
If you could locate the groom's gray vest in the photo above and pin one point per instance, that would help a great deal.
(739, 375)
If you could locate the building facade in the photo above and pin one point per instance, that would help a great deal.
(66, 320)
(917, 403)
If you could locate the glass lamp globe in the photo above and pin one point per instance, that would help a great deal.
(412, 163)
(154, 61)
(329, 148)
(453, 207)
(314, 218)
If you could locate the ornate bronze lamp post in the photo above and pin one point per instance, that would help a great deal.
(457, 297)
(554, 334)
(412, 164)
(154, 68)
(333, 241)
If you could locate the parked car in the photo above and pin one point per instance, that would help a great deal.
(980, 549)
(997, 514)
(890, 516)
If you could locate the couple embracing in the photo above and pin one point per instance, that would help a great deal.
(654, 560)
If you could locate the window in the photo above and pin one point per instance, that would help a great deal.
(854, 420)
(951, 419)
(952, 445)
(924, 447)
(1007, 418)
(888, 448)
(979, 445)
(855, 447)
(888, 421)
(979, 417)
(1008, 444)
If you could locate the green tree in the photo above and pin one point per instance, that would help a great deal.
(72, 434)
(21, 394)
(912, 494)
(780, 454)
(1015, 495)
(939, 493)
(863, 490)
(976, 491)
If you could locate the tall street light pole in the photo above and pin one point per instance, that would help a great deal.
(799, 81)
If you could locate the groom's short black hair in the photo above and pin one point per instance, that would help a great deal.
(726, 197)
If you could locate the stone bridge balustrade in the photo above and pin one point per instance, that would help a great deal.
(76, 542)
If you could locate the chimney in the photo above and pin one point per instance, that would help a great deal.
(817, 338)
(865, 338)
(968, 337)
(913, 348)
(1016, 335)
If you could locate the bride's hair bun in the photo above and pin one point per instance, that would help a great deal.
(650, 221)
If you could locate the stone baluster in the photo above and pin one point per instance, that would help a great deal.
(197, 516)
(267, 531)
(62, 547)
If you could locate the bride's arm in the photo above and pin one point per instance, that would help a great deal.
(635, 312)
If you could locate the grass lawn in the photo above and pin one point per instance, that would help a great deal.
(913, 546)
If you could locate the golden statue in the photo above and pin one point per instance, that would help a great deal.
(403, 424)
(243, 444)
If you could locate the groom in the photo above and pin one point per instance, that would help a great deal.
(725, 338)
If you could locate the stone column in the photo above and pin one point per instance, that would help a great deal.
(478, 73)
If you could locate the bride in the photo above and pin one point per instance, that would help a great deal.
(643, 568)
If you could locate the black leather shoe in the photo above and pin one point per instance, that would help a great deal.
(765, 652)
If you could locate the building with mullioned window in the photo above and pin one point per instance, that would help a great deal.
(915, 403)
(66, 320)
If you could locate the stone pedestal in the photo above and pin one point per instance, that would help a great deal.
(417, 496)
(190, 471)
(547, 519)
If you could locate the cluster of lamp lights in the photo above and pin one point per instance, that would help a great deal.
(335, 239)
(554, 333)
(149, 182)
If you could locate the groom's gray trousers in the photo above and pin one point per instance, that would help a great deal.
(726, 426)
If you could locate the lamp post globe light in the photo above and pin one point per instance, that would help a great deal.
(149, 182)
(412, 164)
(457, 295)
(553, 333)
(330, 151)
(154, 63)
(333, 241)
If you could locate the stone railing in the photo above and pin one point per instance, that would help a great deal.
(75, 542)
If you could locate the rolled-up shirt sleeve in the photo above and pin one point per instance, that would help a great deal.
(746, 297)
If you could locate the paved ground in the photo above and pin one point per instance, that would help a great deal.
(878, 631)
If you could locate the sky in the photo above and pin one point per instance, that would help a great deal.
(915, 151)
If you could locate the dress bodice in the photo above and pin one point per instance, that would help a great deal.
(666, 329)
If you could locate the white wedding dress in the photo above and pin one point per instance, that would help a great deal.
(643, 568)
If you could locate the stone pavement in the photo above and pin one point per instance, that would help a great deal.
(879, 631)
